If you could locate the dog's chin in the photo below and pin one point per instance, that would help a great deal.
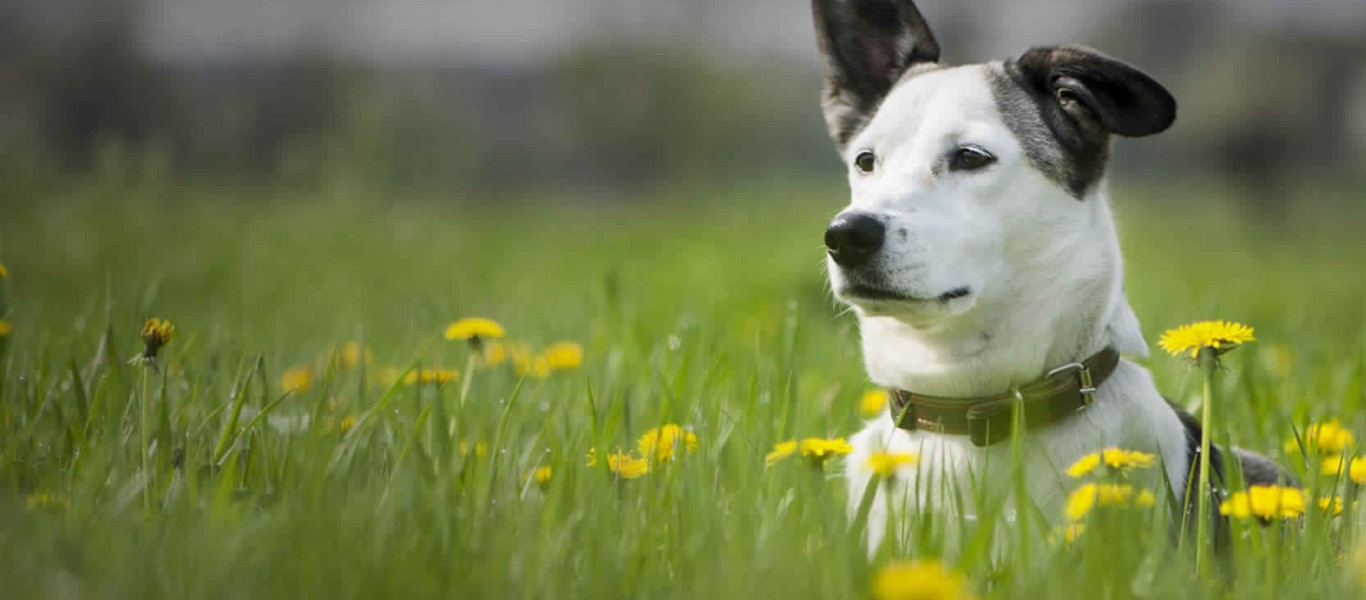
(914, 309)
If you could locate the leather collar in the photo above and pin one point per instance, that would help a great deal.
(1062, 392)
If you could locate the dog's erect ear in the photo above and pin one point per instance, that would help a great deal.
(866, 46)
(1081, 89)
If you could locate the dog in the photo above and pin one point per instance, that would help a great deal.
(980, 256)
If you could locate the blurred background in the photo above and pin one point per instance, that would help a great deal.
(472, 101)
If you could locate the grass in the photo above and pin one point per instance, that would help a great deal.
(712, 315)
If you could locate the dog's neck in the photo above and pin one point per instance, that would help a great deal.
(1064, 308)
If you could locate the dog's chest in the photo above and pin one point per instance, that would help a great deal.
(954, 476)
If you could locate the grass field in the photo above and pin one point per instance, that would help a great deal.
(711, 314)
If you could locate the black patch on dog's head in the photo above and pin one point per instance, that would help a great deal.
(1062, 104)
(867, 46)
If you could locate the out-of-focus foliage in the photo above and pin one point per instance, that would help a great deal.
(1268, 107)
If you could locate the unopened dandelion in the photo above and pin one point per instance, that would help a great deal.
(156, 334)
(542, 475)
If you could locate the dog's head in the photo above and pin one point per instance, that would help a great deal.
(964, 179)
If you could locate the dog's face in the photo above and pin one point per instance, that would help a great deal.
(936, 174)
(963, 179)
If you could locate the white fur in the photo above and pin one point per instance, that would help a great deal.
(1045, 276)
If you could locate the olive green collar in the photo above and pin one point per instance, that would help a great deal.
(1059, 394)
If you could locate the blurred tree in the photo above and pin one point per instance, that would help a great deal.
(95, 86)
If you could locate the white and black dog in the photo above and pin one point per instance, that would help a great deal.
(979, 254)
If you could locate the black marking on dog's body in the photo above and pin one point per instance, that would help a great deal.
(1255, 469)
(1189, 504)
(1063, 104)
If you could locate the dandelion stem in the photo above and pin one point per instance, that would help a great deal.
(147, 483)
(466, 378)
(1208, 365)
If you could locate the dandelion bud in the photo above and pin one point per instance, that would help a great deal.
(155, 334)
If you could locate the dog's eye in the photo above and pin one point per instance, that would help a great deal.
(865, 161)
(970, 158)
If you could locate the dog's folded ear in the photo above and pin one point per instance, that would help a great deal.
(866, 45)
(1082, 88)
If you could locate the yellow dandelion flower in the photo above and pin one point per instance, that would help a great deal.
(155, 334)
(347, 424)
(542, 475)
(780, 451)
(1331, 505)
(1084, 465)
(1356, 469)
(495, 354)
(918, 580)
(480, 448)
(661, 443)
(1330, 437)
(1080, 501)
(872, 402)
(1115, 458)
(1265, 502)
(1084, 498)
(563, 356)
(820, 449)
(530, 366)
(1146, 498)
(353, 353)
(626, 466)
(46, 501)
(297, 379)
(5, 327)
(886, 464)
(1222, 336)
(3, 272)
(474, 329)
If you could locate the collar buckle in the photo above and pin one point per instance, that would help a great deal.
(1087, 387)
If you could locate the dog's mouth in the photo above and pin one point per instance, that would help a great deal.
(861, 291)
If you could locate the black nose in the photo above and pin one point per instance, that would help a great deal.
(853, 237)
